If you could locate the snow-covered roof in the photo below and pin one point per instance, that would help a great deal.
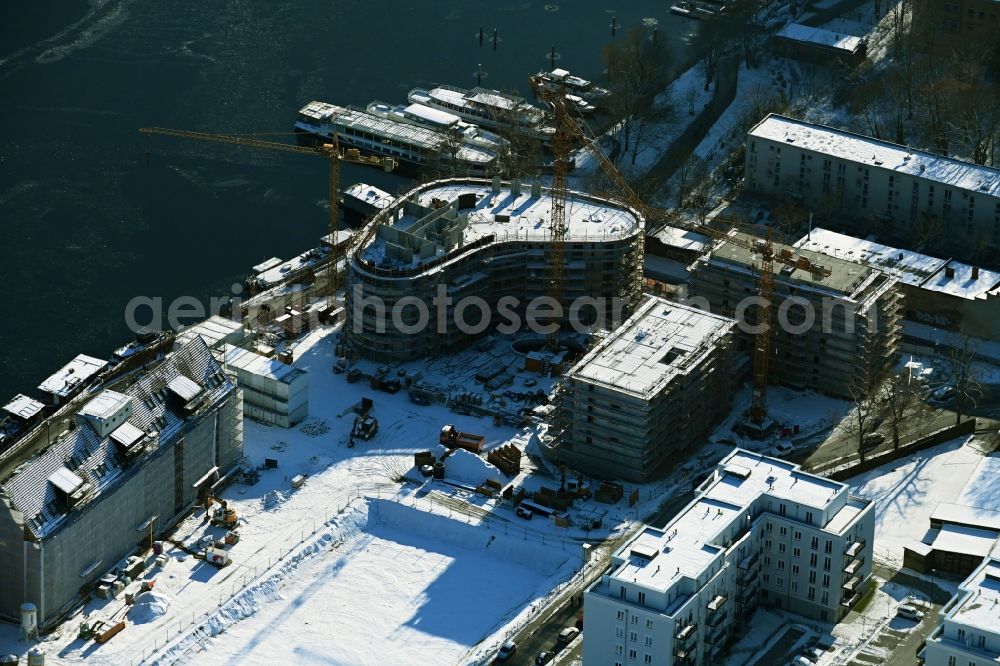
(960, 514)
(261, 366)
(279, 273)
(213, 331)
(23, 407)
(94, 459)
(797, 32)
(661, 341)
(432, 115)
(369, 194)
(979, 607)
(864, 150)
(692, 540)
(71, 375)
(417, 221)
(774, 477)
(105, 405)
(966, 540)
(909, 267)
(683, 239)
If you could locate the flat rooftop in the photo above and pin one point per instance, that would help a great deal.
(261, 366)
(503, 215)
(805, 34)
(960, 514)
(771, 476)
(213, 330)
(845, 279)
(105, 405)
(660, 341)
(981, 607)
(23, 407)
(689, 543)
(71, 375)
(910, 268)
(865, 150)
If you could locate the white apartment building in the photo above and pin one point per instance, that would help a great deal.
(969, 630)
(873, 179)
(760, 531)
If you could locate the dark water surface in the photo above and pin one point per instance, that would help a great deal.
(87, 221)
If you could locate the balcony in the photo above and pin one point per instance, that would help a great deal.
(849, 598)
(853, 566)
(747, 579)
(716, 603)
(854, 549)
(748, 562)
(746, 596)
(715, 619)
(716, 637)
(686, 633)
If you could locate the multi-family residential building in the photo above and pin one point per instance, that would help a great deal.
(937, 293)
(759, 532)
(904, 192)
(969, 629)
(457, 258)
(949, 24)
(76, 500)
(831, 332)
(648, 391)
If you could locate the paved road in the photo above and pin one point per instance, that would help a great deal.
(540, 634)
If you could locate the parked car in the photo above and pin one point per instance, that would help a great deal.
(507, 651)
(800, 660)
(782, 448)
(872, 439)
(566, 636)
(813, 653)
(543, 658)
(530, 381)
(910, 612)
(524, 513)
(943, 393)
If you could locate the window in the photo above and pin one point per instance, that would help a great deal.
(829, 547)
(642, 597)
(619, 649)
(814, 543)
(797, 535)
(796, 552)
(631, 653)
(649, 641)
(770, 527)
(619, 632)
(649, 624)
(781, 510)
(635, 619)
(809, 517)
(812, 560)
(784, 530)
(621, 615)
(826, 580)
(767, 578)
(621, 591)
(781, 581)
(812, 576)
(767, 561)
(795, 586)
(781, 565)
(826, 598)
(826, 564)
(795, 569)
(812, 594)
(632, 637)
(648, 658)
(781, 547)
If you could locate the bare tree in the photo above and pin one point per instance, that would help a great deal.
(638, 69)
(858, 421)
(901, 402)
(790, 215)
(964, 376)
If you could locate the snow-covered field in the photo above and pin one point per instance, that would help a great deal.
(908, 490)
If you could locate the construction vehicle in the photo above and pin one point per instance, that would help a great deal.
(365, 427)
(331, 151)
(568, 126)
(221, 515)
(101, 631)
(455, 439)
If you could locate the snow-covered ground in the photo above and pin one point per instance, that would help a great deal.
(685, 97)
(908, 490)
(303, 552)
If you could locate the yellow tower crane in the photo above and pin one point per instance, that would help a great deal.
(331, 151)
(566, 122)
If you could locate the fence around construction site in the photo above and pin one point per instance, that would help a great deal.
(167, 646)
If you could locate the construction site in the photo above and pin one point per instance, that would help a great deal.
(356, 424)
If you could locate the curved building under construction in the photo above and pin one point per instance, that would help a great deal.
(457, 258)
